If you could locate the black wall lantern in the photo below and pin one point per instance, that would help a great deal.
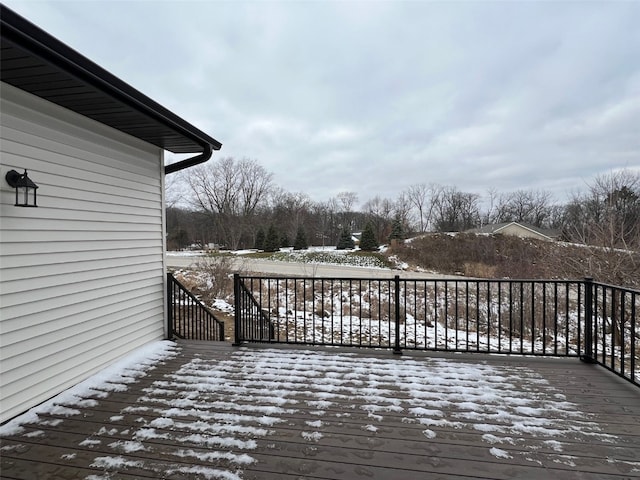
(25, 188)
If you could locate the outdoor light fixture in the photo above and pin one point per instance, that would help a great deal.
(25, 188)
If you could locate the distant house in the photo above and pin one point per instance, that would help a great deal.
(516, 229)
(82, 276)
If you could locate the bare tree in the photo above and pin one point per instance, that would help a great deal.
(424, 198)
(455, 210)
(230, 191)
(347, 201)
(379, 213)
(173, 190)
(290, 211)
(608, 214)
(606, 220)
(527, 206)
(418, 196)
(402, 211)
(489, 216)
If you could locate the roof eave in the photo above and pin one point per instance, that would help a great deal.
(36, 42)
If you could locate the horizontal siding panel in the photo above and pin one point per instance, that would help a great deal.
(88, 201)
(81, 217)
(129, 255)
(54, 346)
(60, 328)
(12, 236)
(150, 224)
(49, 249)
(76, 272)
(24, 303)
(37, 322)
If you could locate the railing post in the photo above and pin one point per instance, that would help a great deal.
(396, 294)
(237, 310)
(169, 306)
(587, 356)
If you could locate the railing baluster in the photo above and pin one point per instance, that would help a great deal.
(510, 317)
(622, 333)
(478, 309)
(435, 315)
(499, 308)
(632, 334)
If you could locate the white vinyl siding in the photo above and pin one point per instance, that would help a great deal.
(82, 275)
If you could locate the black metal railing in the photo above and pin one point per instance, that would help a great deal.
(614, 330)
(188, 317)
(255, 323)
(584, 319)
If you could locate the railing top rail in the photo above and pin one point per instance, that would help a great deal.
(617, 287)
(176, 282)
(392, 276)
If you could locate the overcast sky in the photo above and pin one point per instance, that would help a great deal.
(375, 96)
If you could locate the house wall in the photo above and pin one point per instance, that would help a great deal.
(518, 231)
(81, 276)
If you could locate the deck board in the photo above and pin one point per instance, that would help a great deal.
(265, 412)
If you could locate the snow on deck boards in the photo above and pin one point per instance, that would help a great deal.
(211, 411)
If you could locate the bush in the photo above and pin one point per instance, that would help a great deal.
(216, 277)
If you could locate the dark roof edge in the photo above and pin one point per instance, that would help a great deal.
(19, 30)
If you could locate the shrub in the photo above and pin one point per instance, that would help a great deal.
(216, 277)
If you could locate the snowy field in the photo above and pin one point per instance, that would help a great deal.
(200, 415)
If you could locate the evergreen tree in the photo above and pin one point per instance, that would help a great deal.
(284, 240)
(301, 240)
(272, 240)
(345, 241)
(397, 231)
(259, 243)
(368, 241)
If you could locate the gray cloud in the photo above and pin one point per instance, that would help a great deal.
(375, 96)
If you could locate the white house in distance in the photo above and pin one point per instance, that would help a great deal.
(82, 275)
(516, 229)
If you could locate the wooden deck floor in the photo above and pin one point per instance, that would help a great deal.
(215, 411)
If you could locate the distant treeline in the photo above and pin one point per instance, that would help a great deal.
(228, 202)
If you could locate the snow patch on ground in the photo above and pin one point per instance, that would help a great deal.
(312, 436)
(498, 453)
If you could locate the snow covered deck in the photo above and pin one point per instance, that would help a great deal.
(209, 410)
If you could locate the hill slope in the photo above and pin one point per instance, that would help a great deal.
(500, 256)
